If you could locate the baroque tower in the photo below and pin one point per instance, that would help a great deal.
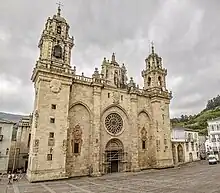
(52, 77)
(155, 85)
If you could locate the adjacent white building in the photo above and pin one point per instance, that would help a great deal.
(185, 145)
(213, 141)
(6, 130)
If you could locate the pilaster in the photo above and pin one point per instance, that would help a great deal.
(134, 133)
(96, 135)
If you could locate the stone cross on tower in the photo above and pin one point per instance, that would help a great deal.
(59, 9)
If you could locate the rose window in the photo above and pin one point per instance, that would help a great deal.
(114, 123)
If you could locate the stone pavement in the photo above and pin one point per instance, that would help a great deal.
(196, 177)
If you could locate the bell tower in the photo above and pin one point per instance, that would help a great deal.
(52, 78)
(55, 43)
(155, 85)
(154, 75)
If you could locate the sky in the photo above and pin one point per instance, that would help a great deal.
(185, 34)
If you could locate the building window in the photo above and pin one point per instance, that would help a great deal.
(51, 141)
(51, 135)
(212, 128)
(187, 146)
(29, 139)
(14, 134)
(52, 120)
(165, 141)
(58, 29)
(0, 130)
(76, 147)
(143, 144)
(106, 73)
(108, 95)
(53, 106)
(192, 146)
(49, 157)
(149, 81)
(122, 97)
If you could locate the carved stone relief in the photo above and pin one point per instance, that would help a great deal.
(77, 138)
(36, 115)
(55, 86)
(116, 97)
(36, 145)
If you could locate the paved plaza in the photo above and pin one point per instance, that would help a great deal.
(196, 177)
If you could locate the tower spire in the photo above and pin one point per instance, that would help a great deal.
(152, 47)
(59, 9)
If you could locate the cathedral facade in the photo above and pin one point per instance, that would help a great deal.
(95, 125)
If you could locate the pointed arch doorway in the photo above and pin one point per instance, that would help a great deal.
(114, 153)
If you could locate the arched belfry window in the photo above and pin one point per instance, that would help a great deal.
(149, 81)
(58, 29)
(57, 51)
(159, 81)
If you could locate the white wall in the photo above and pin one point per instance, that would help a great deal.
(6, 131)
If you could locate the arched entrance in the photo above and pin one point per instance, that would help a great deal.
(113, 155)
(180, 153)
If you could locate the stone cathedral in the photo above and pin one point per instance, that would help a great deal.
(95, 125)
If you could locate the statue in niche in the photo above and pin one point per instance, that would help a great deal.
(77, 140)
(116, 81)
(143, 134)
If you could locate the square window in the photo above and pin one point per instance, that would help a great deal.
(52, 120)
(49, 157)
(51, 135)
(53, 106)
(76, 147)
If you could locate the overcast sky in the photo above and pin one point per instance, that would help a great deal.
(186, 35)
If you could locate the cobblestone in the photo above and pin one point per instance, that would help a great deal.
(196, 177)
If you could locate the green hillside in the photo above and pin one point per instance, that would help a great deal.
(199, 122)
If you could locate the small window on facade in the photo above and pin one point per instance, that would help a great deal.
(76, 147)
(165, 141)
(58, 29)
(106, 73)
(187, 146)
(192, 145)
(0, 130)
(49, 157)
(143, 144)
(51, 135)
(108, 95)
(53, 106)
(14, 134)
(52, 120)
(29, 139)
(149, 81)
(122, 97)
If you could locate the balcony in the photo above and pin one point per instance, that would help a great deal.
(1, 137)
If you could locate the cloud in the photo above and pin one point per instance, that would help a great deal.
(185, 33)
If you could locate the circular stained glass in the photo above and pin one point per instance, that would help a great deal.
(114, 123)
